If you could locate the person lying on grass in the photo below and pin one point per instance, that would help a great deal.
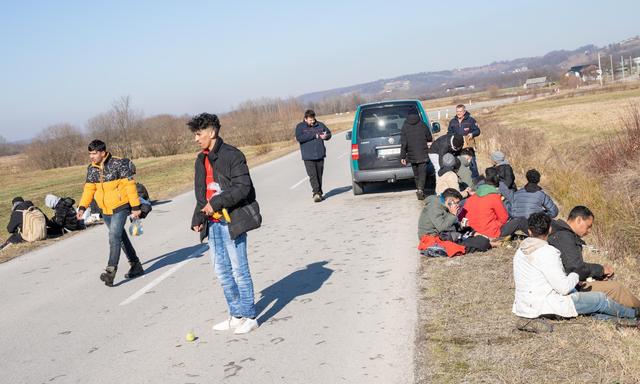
(543, 287)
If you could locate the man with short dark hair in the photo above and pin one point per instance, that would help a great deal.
(311, 134)
(440, 213)
(465, 125)
(567, 237)
(226, 209)
(110, 181)
(532, 199)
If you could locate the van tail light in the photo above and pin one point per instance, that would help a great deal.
(355, 152)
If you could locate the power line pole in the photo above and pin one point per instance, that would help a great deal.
(599, 69)
(613, 77)
(622, 64)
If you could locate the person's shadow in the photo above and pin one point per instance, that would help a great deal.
(298, 283)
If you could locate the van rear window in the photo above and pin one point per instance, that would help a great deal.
(385, 120)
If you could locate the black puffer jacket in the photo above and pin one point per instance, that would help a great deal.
(65, 215)
(570, 246)
(506, 174)
(414, 136)
(443, 145)
(238, 196)
(15, 221)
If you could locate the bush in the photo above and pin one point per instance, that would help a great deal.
(57, 146)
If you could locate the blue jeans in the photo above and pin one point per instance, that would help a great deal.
(229, 259)
(118, 238)
(600, 306)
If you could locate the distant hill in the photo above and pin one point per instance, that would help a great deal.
(502, 74)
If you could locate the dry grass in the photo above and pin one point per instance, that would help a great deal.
(467, 333)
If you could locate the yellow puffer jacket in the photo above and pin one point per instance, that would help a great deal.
(111, 183)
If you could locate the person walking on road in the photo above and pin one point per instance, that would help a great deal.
(226, 209)
(415, 138)
(110, 181)
(465, 125)
(311, 134)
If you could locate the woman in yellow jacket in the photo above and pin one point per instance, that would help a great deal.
(110, 182)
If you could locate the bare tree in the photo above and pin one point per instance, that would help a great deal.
(60, 145)
(119, 128)
(164, 135)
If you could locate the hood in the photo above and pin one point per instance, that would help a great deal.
(530, 187)
(486, 189)
(413, 119)
(531, 244)
(444, 170)
(51, 201)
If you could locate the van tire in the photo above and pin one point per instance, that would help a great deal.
(358, 188)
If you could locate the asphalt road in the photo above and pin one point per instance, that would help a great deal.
(334, 281)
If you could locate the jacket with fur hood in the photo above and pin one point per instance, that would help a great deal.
(542, 286)
(414, 138)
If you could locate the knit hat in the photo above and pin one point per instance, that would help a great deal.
(51, 201)
(498, 158)
(448, 161)
(457, 142)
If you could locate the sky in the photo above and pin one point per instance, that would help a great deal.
(67, 61)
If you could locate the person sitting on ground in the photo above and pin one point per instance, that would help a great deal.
(451, 143)
(504, 170)
(19, 205)
(567, 238)
(532, 199)
(65, 216)
(543, 287)
(507, 194)
(448, 176)
(486, 213)
(464, 172)
(415, 138)
(439, 217)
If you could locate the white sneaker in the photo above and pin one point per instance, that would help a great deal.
(247, 326)
(231, 322)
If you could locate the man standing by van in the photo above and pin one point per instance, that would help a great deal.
(110, 181)
(465, 125)
(311, 134)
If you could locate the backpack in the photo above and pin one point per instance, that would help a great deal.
(34, 225)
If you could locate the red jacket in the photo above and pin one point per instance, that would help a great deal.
(485, 214)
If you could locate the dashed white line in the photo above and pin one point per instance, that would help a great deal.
(294, 186)
(168, 273)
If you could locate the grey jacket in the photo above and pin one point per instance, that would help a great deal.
(532, 199)
(464, 173)
(435, 218)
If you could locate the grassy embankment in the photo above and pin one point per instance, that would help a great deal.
(467, 332)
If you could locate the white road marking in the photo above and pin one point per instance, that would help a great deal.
(168, 273)
(343, 155)
(294, 186)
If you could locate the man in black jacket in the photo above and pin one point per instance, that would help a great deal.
(18, 205)
(226, 208)
(415, 137)
(311, 134)
(567, 238)
(65, 216)
(465, 125)
(449, 143)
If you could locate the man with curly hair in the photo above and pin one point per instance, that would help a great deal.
(226, 209)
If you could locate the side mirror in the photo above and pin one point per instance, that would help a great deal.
(435, 127)
(348, 136)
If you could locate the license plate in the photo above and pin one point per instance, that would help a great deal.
(388, 152)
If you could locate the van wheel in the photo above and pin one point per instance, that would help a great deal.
(358, 188)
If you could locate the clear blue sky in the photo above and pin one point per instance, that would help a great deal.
(66, 61)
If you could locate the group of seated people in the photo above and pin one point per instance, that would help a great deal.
(551, 276)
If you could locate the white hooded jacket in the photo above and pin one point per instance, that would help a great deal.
(542, 286)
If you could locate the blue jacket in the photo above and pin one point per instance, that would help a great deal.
(311, 146)
(532, 199)
(466, 126)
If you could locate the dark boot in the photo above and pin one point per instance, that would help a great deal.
(135, 270)
(420, 194)
(108, 276)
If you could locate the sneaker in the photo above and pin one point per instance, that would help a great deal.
(231, 322)
(247, 326)
(317, 198)
(420, 194)
(135, 270)
(108, 276)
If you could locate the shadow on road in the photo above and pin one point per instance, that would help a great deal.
(173, 257)
(298, 283)
(159, 202)
(336, 191)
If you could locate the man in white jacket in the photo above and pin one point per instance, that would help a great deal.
(543, 287)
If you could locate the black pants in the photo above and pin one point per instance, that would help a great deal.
(511, 226)
(314, 170)
(420, 174)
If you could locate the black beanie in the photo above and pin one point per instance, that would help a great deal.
(457, 141)
(17, 199)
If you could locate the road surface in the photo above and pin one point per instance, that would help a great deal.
(335, 284)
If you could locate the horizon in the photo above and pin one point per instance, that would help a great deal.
(69, 62)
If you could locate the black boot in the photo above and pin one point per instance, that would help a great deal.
(420, 194)
(135, 270)
(108, 276)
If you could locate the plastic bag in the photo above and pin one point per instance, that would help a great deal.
(136, 229)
